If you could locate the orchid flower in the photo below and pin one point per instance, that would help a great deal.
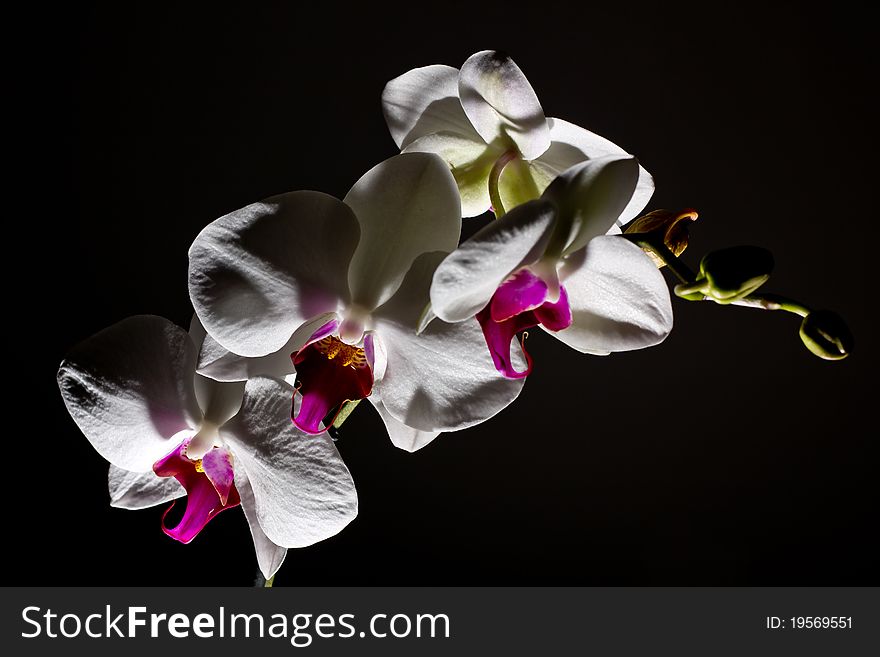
(335, 291)
(549, 262)
(486, 122)
(134, 392)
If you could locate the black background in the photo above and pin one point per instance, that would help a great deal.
(727, 455)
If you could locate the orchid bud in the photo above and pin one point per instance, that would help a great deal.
(672, 225)
(733, 273)
(827, 335)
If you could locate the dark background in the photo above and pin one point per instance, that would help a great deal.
(727, 455)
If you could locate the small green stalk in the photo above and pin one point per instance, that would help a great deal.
(495, 178)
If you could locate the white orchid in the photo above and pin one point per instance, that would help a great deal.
(486, 122)
(549, 262)
(336, 291)
(133, 391)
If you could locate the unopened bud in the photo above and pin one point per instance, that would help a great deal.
(733, 273)
(673, 226)
(827, 335)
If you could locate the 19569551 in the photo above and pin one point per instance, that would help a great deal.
(809, 623)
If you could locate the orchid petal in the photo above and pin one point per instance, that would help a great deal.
(203, 502)
(129, 388)
(442, 379)
(402, 436)
(218, 363)
(269, 556)
(470, 161)
(521, 292)
(259, 273)
(571, 144)
(406, 206)
(217, 464)
(555, 316)
(466, 280)
(303, 493)
(619, 299)
(499, 338)
(424, 101)
(591, 196)
(140, 490)
(500, 103)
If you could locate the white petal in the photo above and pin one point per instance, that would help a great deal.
(590, 197)
(129, 388)
(424, 101)
(269, 556)
(218, 363)
(303, 493)
(141, 490)
(403, 437)
(257, 274)
(501, 103)
(619, 299)
(442, 379)
(468, 277)
(406, 206)
(470, 160)
(571, 144)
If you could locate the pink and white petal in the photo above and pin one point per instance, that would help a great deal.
(303, 493)
(217, 465)
(591, 196)
(407, 205)
(218, 363)
(571, 144)
(140, 490)
(269, 556)
(129, 388)
(501, 104)
(404, 437)
(424, 101)
(468, 277)
(442, 379)
(259, 273)
(470, 161)
(618, 298)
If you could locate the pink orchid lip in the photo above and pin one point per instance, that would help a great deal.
(522, 292)
(329, 373)
(209, 486)
(498, 334)
(323, 331)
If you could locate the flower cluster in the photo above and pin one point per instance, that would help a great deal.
(306, 304)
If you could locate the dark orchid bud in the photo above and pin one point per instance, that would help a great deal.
(733, 273)
(827, 335)
(672, 225)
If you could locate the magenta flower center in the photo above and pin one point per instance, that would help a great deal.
(520, 303)
(329, 372)
(209, 486)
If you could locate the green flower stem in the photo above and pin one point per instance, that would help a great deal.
(654, 241)
(773, 302)
(262, 582)
(494, 178)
